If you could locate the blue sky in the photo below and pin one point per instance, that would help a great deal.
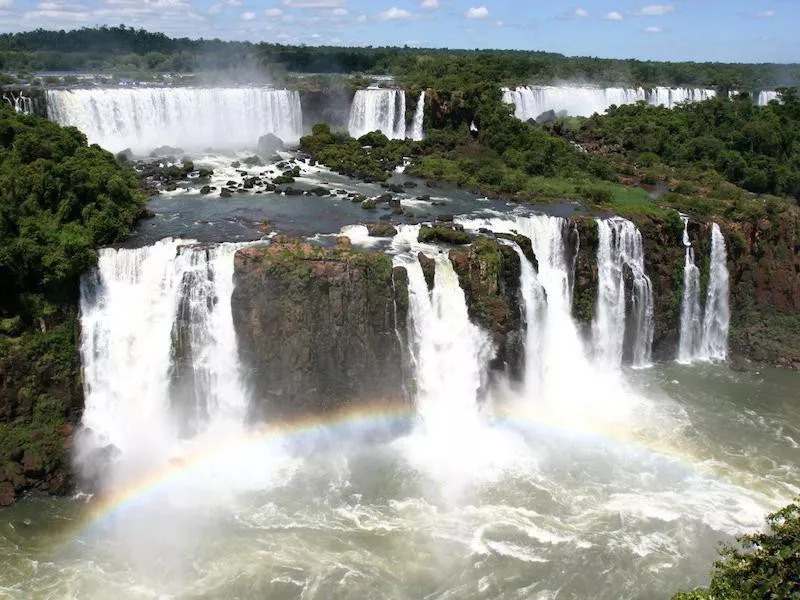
(701, 30)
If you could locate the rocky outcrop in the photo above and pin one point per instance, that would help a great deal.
(319, 329)
(489, 273)
(764, 264)
(40, 400)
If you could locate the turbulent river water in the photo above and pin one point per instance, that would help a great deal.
(554, 506)
(594, 481)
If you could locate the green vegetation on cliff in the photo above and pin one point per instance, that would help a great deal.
(766, 566)
(59, 200)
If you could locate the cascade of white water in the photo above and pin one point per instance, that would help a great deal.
(584, 101)
(449, 351)
(534, 300)
(691, 315)
(716, 321)
(140, 310)
(190, 118)
(378, 110)
(620, 246)
(417, 131)
(766, 96)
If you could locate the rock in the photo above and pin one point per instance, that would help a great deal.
(381, 230)
(334, 311)
(546, 118)
(249, 182)
(253, 161)
(231, 183)
(7, 494)
(236, 164)
(428, 269)
(424, 198)
(146, 213)
(32, 464)
(269, 144)
(225, 193)
(444, 218)
(489, 272)
(429, 235)
(166, 151)
(290, 191)
(125, 156)
(206, 189)
(410, 184)
(283, 179)
(205, 173)
(270, 187)
(320, 191)
(368, 204)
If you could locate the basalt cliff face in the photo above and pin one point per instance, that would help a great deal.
(764, 265)
(318, 329)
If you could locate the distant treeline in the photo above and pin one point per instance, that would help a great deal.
(128, 50)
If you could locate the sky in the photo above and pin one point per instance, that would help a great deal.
(698, 30)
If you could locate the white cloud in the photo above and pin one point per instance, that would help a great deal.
(499, 23)
(613, 16)
(361, 19)
(656, 10)
(430, 4)
(396, 14)
(580, 13)
(477, 12)
(5, 3)
(233, 2)
(765, 14)
(273, 12)
(248, 16)
(653, 29)
(340, 12)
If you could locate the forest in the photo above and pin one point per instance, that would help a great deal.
(128, 51)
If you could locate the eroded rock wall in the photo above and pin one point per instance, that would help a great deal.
(318, 328)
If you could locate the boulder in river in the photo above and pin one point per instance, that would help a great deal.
(269, 144)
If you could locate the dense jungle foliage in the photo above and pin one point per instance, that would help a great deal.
(128, 50)
(766, 566)
(59, 200)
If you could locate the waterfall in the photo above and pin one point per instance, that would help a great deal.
(766, 96)
(691, 315)
(534, 300)
(378, 110)
(20, 103)
(620, 248)
(449, 351)
(717, 316)
(417, 132)
(190, 118)
(158, 348)
(583, 101)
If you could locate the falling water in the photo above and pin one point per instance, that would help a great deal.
(717, 317)
(378, 110)
(190, 118)
(691, 315)
(584, 101)
(766, 96)
(450, 352)
(417, 131)
(158, 348)
(534, 300)
(620, 247)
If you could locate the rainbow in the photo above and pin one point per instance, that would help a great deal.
(353, 422)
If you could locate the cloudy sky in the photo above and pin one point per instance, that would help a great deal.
(724, 30)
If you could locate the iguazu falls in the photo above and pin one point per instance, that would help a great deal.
(302, 317)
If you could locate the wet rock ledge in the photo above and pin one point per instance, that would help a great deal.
(319, 329)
